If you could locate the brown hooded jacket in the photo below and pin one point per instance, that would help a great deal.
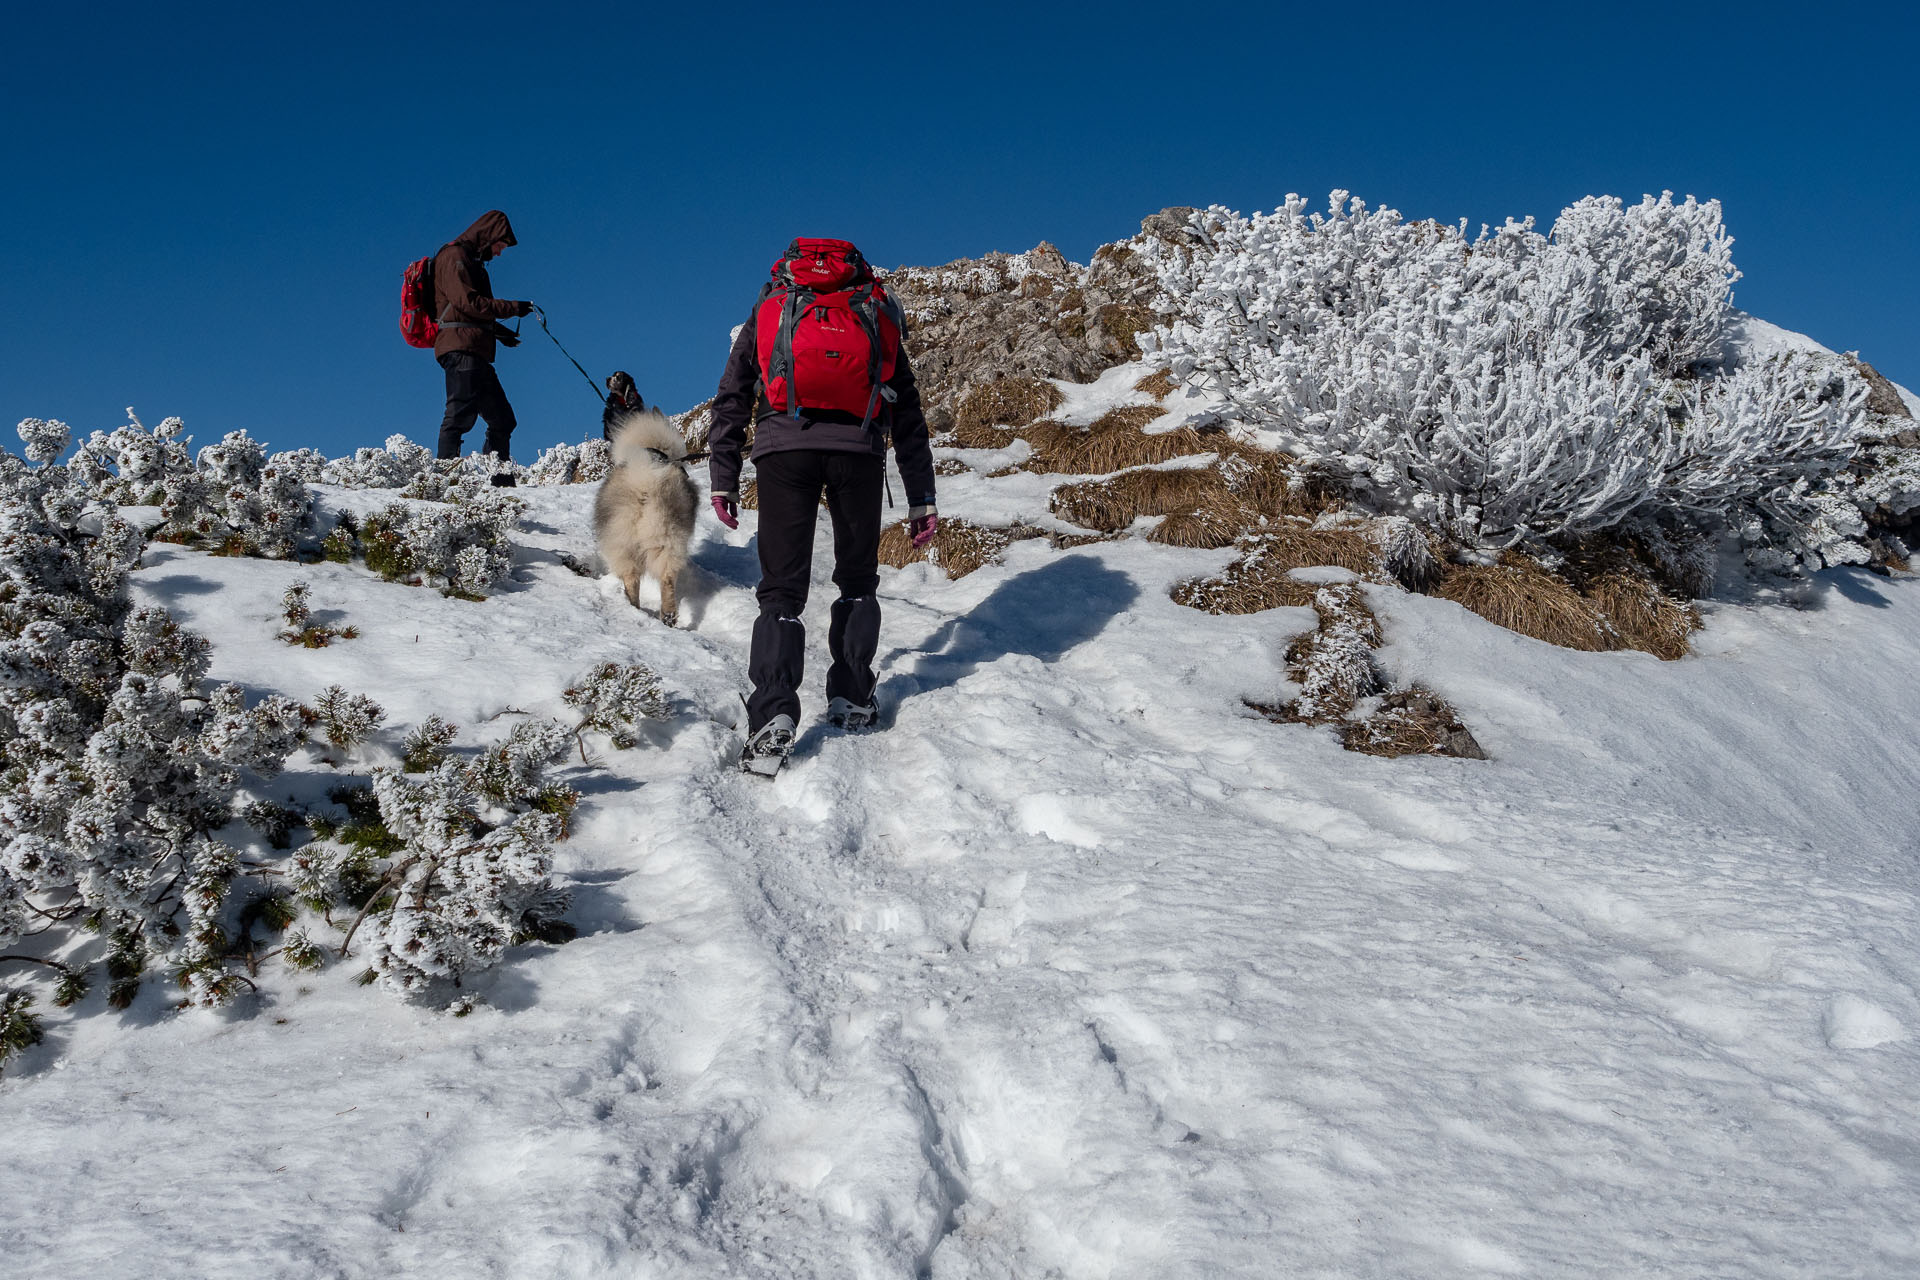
(463, 295)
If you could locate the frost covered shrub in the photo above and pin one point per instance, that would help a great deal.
(464, 545)
(237, 499)
(585, 463)
(309, 466)
(426, 746)
(469, 875)
(1511, 388)
(116, 766)
(346, 718)
(616, 698)
(451, 480)
(130, 467)
(1655, 279)
(301, 629)
(389, 468)
(414, 471)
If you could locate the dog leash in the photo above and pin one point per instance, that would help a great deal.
(569, 355)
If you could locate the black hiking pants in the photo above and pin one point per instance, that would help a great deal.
(790, 484)
(473, 391)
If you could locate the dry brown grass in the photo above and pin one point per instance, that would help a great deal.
(1068, 541)
(1213, 506)
(1113, 504)
(1645, 617)
(1620, 607)
(1134, 417)
(1521, 596)
(1268, 482)
(750, 496)
(1333, 664)
(1159, 384)
(961, 545)
(1262, 578)
(1210, 525)
(1004, 402)
(1114, 443)
(978, 435)
(1412, 721)
(1125, 321)
(950, 467)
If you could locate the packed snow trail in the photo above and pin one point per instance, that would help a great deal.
(1074, 969)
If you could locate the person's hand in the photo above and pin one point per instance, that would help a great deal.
(923, 528)
(726, 510)
(523, 308)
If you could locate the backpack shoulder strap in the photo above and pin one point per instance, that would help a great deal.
(778, 362)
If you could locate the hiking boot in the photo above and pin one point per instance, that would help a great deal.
(842, 714)
(768, 749)
(505, 480)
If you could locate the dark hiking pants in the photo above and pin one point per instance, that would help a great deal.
(790, 484)
(473, 391)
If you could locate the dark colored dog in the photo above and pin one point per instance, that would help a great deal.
(623, 400)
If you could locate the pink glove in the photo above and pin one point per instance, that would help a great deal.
(727, 510)
(924, 528)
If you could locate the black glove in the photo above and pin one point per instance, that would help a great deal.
(508, 339)
(523, 308)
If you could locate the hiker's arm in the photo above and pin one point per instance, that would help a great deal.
(911, 447)
(471, 305)
(732, 412)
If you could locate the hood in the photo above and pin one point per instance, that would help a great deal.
(487, 228)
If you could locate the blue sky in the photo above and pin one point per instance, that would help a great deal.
(207, 208)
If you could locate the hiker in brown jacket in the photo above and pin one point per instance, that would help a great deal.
(470, 325)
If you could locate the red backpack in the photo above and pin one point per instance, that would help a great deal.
(828, 334)
(418, 324)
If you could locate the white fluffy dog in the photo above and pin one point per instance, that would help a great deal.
(643, 516)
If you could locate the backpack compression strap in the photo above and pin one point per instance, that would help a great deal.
(867, 312)
(780, 359)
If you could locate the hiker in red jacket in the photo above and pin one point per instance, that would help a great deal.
(470, 325)
(821, 371)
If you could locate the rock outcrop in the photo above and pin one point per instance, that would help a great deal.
(1027, 315)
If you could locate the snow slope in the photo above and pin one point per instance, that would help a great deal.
(1078, 969)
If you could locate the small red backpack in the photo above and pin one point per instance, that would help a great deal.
(418, 324)
(828, 334)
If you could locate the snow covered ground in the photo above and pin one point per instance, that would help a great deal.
(1077, 969)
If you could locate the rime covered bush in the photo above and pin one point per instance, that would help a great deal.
(1514, 387)
(238, 500)
(392, 467)
(306, 465)
(465, 868)
(346, 719)
(463, 546)
(130, 466)
(584, 463)
(414, 471)
(117, 765)
(615, 699)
